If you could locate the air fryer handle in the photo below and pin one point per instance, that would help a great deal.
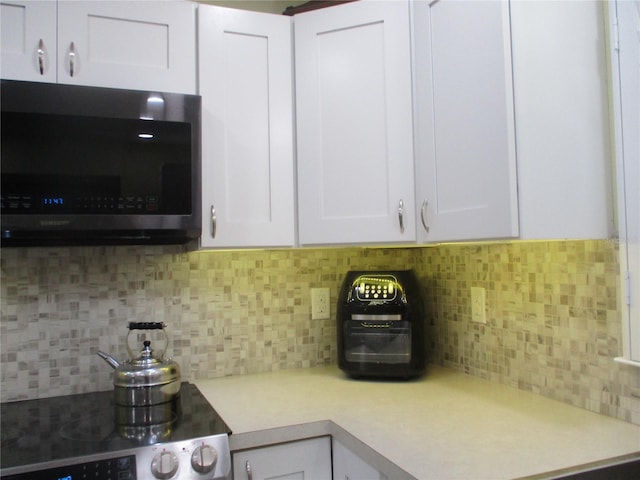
(146, 325)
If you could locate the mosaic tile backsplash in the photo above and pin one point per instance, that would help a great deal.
(552, 314)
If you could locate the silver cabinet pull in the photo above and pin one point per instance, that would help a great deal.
(249, 472)
(423, 216)
(214, 221)
(72, 59)
(41, 57)
(401, 215)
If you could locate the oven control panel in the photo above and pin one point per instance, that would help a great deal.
(205, 458)
(123, 467)
(376, 288)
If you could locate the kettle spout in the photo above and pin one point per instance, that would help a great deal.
(109, 359)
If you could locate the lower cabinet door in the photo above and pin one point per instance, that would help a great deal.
(306, 459)
(349, 466)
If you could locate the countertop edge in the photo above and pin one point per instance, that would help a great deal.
(274, 436)
(585, 468)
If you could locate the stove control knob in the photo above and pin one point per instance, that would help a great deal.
(204, 458)
(164, 465)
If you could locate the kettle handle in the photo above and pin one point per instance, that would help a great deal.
(147, 326)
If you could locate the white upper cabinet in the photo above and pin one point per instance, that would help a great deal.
(245, 81)
(512, 120)
(464, 124)
(625, 52)
(146, 45)
(354, 124)
(28, 40)
(562, 119)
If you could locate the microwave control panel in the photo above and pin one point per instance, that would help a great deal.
(77, 204)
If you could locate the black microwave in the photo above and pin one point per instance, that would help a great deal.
(87, 165)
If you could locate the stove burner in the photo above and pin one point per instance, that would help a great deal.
(145, 425)
(94, 427)
(10, 437)
(146, 434)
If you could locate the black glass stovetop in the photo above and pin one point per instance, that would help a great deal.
(35, 431)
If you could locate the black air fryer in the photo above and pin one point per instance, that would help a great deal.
(381, 325)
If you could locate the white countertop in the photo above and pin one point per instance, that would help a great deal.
(445, 425)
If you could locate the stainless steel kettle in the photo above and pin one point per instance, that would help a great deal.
(146, 379)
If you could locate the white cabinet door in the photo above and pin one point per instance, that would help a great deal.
(145, 45)
(305, 459)
(28, 40)
(248, 177)
(562, 113)
(354, 124)
(464, 130)
(625, 53)
(349, 466)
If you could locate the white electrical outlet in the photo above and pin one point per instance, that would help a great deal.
(478, 312)
(320, 303)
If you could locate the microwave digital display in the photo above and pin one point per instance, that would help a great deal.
(53, 201)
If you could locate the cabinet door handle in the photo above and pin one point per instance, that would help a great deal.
(72, 59)
(41, 57)
(423, 216)
(249, 471)
(214, 221)
(401, 215)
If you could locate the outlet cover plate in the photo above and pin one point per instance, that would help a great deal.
(320, 308)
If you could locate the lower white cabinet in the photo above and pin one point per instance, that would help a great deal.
(310, 459)
(349, 466)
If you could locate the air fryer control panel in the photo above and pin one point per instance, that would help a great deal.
(376, 288)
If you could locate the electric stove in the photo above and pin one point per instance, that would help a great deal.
(88, 436)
